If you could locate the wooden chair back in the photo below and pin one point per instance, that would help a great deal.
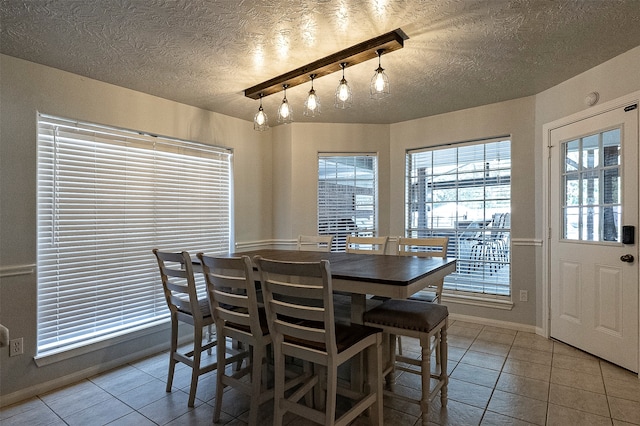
(232, 294)
(178, 283)
(423, 247)
(298, 299)
(315, 242)
(366, 245)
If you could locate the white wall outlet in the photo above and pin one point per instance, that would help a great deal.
(15, 347)
(524, 295)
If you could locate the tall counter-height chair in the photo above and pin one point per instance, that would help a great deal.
(232, 296)
(299, 304)
(315, 242)
(424, 321)
(425, 247)
(366, 245)
(178, 282)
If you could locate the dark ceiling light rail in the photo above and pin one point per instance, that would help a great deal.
(353, 55)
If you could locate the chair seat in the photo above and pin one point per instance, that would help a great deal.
(346, 336)
(202, 304)
(407, 314)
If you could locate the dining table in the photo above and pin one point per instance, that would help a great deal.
(362, 275)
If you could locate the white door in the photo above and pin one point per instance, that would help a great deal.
(593, 193)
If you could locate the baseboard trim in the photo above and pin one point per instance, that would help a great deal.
(496, 323)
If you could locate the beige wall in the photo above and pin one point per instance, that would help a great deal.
(516, 119)
(275, 182)
(295, 165)
(25, 89)
(612, 79)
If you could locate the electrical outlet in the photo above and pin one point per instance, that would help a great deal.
(15, 347)
(524, 295)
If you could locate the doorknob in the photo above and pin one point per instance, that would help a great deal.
(627, 258)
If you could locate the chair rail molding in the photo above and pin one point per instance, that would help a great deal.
(16, 270)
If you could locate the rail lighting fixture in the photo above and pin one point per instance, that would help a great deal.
(335, 62)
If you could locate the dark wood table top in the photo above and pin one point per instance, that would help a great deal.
(382, 269)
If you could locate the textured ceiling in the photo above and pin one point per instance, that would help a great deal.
(460, 53)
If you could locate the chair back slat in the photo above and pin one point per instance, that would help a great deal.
(423, 247)
(299, 332)
(295, 308)
(298, 299)
(366, 245)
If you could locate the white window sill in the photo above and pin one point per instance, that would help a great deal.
(58, 355)
(482, 301)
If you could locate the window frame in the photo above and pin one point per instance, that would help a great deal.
(157, 166)
(340, 227)
(456, 284)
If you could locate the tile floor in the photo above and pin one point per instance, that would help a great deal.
(497, 377)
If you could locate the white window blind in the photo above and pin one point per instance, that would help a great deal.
(106, 197)
(464, 192)
(347, 196)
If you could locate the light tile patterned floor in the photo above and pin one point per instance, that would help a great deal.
(497, 377)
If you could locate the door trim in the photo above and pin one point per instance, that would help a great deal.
(546, 188)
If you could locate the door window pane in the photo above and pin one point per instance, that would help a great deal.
(592, 187)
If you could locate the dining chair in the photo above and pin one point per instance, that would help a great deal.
(299, 305)
(232, 297)
(366, 245)
(426, 322)
(424, 247)
(179, 285)
(315, 242)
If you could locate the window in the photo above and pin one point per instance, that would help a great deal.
(347, 196)
(464, 192)
(106, 197)
(592, 190)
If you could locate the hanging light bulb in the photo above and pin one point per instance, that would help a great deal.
(379, 82)
(285, 112)
(344, 97)
(260, 120)
(312, 103)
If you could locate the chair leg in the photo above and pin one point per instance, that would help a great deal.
(256, 383)
(331, 399)
(444, 375)
(425, 375)
(374, 382)
(391, 376)
(195, 369)
(174, 348)
(278, 385)
(222, 364)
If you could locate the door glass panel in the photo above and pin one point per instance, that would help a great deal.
(592, 196)
(572, 156)
(590, 151)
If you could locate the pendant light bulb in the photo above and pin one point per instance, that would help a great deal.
(344, 96)
(379, 88)
(285, 112)
(260, 120)
(312, 103)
